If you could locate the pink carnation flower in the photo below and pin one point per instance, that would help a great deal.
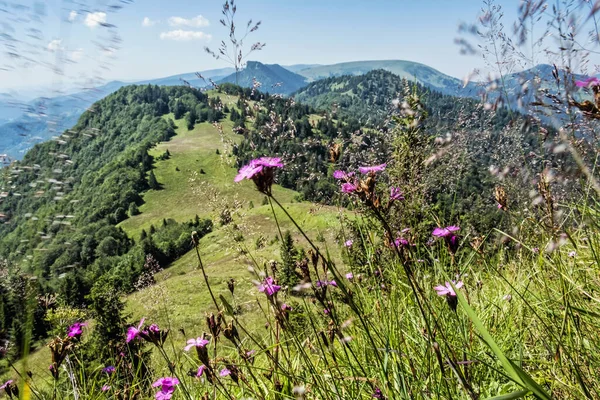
(447, 290)
(374, 168)
(198, 342)
(6, 384)
(339, 174)
(76, 329)
(133, 332)
(167, 387)
(269, 162)
(396, 194)
(349, 187)
(445, 232)
(269, 287)
(257, 166)
(592, 80)
(248, 171)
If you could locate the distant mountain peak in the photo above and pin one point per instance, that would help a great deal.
(273, 78)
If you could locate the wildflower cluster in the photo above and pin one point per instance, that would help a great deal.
(167, 387)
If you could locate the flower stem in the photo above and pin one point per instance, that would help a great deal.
(206, 277)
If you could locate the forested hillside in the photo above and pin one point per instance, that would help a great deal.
(412, 71)
(60, 205)
(362, 113)
(373, 97)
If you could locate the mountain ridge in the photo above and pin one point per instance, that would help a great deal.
(273, 78)
(41, 118)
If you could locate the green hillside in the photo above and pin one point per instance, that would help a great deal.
(369, 98)
(413, 71)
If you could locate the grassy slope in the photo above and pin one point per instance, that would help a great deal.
(180, 297)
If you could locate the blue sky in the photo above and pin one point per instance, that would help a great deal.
(68, 36)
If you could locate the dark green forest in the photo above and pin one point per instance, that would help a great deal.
(66, 196)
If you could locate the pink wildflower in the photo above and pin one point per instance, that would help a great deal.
(445, 232)
(349, 243)
(374, 168)
(256, 167)
(133, 332)
(6, 384)
(200, 370)
(339, 174)
(448, 234)
(225, 372)
(592, 80)
(396, 194)
(269, 287)
(198, 342)
(260, 171)
(76, 329)
(248, 171)
(269, 162)
(167, 387)
(108, 370)
(349, 187)
(401, 242)
(447, 290)
(105, 388)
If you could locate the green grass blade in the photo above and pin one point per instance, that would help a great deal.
(227, 306)
(513, 371)
(510, 396)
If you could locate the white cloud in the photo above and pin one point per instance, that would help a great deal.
(55, 45)
(182, 35)
(147, 22)
(92, 20)
(193, 22)
(72, 16)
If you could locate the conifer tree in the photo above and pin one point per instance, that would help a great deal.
(289, 254)
(152, 182)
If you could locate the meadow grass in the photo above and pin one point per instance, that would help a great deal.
(193, 151)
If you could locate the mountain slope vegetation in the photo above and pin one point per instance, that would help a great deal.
(410, 70)
(373, 97)
(61, 203)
